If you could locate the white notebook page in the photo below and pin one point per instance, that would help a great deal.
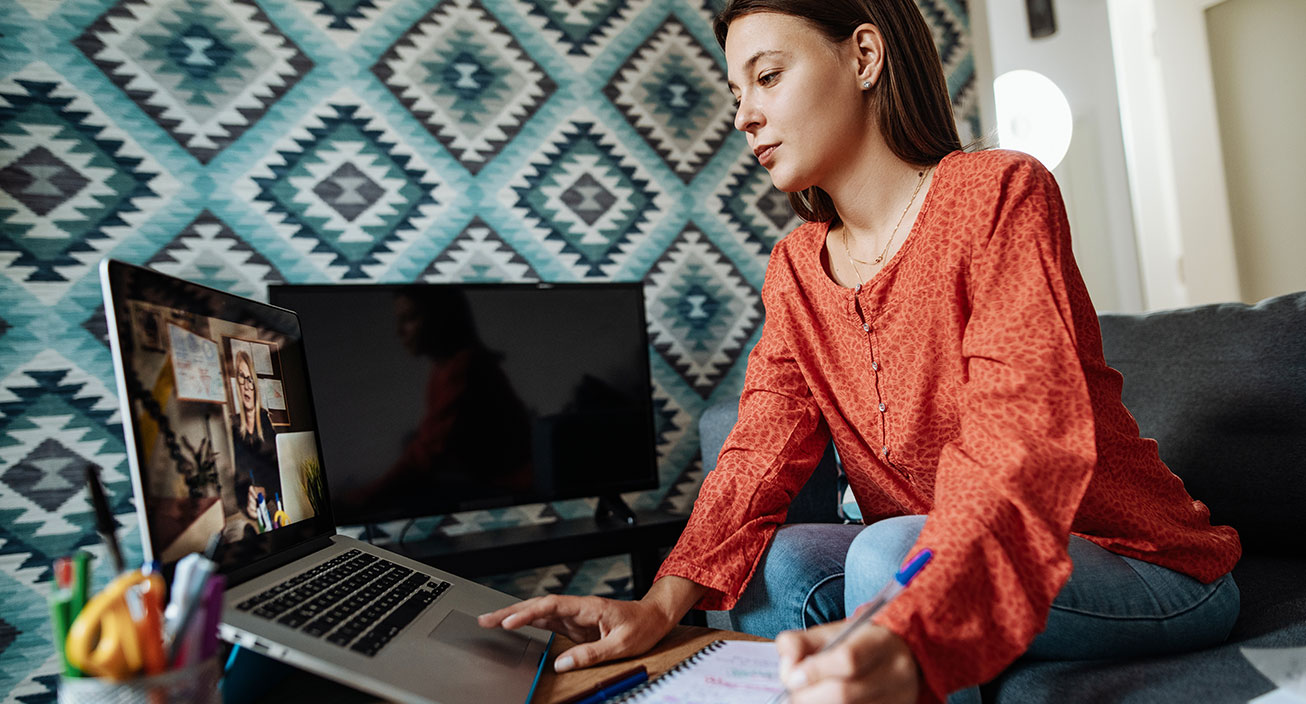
(726, 672)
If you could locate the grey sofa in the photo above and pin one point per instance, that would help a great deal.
(1222, 388)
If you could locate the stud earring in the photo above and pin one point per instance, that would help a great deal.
(866, 85)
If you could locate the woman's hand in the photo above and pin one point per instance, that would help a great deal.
(606, 629)
(872, 665)
(251, 504)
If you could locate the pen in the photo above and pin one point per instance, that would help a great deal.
(105, 525)
(144, 608)
(80, 585)
(188, 584)
(611, 687)
(61, 611)
(206, 641)
(872, 607)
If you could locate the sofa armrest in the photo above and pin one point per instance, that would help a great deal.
(1222, 389)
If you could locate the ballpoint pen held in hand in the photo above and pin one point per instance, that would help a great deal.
(872, 607)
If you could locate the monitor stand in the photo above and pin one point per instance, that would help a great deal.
(612, 509)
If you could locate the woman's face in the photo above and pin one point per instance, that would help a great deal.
(245, 380)
(799, 96)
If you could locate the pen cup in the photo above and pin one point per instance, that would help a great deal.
(194, 683)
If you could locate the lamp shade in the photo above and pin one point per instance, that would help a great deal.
(1033, 116)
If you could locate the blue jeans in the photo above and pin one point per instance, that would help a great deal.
(1111, 607)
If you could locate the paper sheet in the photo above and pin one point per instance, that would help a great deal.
(1278, 696)
(738, 672)
(1285, 667)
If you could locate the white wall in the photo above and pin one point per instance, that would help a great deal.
(1257, 58)
(1093, 177)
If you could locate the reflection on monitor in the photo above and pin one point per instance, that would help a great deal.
(441, 397)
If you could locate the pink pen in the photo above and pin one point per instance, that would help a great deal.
(212, 615)
(200, 641)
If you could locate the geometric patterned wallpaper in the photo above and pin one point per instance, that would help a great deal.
(244, 142)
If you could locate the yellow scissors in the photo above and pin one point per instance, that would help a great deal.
(119, 633)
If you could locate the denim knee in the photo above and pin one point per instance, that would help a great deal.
(876, 555)
(798, 582)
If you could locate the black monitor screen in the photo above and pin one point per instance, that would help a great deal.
(434, 398)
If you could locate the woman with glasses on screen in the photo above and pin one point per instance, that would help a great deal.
(254, 445)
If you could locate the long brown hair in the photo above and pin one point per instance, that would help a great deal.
(911, 102)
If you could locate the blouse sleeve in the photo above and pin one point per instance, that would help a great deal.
(1009, 486)
(767, 457)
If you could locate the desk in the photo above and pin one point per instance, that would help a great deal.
(680, 643)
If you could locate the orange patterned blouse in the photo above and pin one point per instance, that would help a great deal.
(965, 381)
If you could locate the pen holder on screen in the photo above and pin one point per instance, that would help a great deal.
(196, 683)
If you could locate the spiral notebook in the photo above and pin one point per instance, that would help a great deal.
(724, 672)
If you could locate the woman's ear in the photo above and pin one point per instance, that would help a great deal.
(868, 45)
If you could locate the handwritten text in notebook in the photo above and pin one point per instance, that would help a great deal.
(725, 672)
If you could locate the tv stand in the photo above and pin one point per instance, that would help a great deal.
(645, 539)
(612, 509)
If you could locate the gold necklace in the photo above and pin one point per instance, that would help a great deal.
(853, 260)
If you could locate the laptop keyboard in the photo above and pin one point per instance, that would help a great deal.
(355, 600)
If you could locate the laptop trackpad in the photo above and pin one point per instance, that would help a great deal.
(461, 632)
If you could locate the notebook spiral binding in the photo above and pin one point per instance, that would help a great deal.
(635, 694)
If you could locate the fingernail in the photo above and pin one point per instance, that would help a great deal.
(509, 621)
(564, 663)
(796, 680)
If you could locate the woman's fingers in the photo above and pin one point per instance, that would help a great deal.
(603, 628)
(871, 665)
(524, 613)
(586, 654)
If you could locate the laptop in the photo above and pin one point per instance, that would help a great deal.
(222, 439)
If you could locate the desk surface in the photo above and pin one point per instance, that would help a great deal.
(682, 642)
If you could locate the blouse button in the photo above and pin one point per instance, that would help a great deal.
(882, 407)
(858, 289)
(866, 327)
(875, 366)
(885, 451)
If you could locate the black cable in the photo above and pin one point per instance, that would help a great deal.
(403, 532)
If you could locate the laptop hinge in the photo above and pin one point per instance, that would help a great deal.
(272, 562)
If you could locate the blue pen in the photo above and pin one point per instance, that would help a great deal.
(872, 607)
(607, 692)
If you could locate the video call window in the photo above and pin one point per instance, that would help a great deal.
(222, 445)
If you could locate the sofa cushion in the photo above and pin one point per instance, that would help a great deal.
(1222, 389)
(1273, 615)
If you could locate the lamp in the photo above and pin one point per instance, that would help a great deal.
(1033, 116)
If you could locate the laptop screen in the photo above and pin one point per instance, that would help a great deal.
(219, 420)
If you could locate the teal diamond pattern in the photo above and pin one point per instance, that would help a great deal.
(589, 200)
(466, 79)
(72, 185)
(582, 28)
(701, 310)
(204, 70)
(673, 93)
(325, 223)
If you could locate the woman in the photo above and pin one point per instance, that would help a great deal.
(474, 436)
(930, 319)
(253, 443)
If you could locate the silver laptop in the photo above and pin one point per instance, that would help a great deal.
(221, 439)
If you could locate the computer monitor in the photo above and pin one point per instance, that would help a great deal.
(436, 398)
